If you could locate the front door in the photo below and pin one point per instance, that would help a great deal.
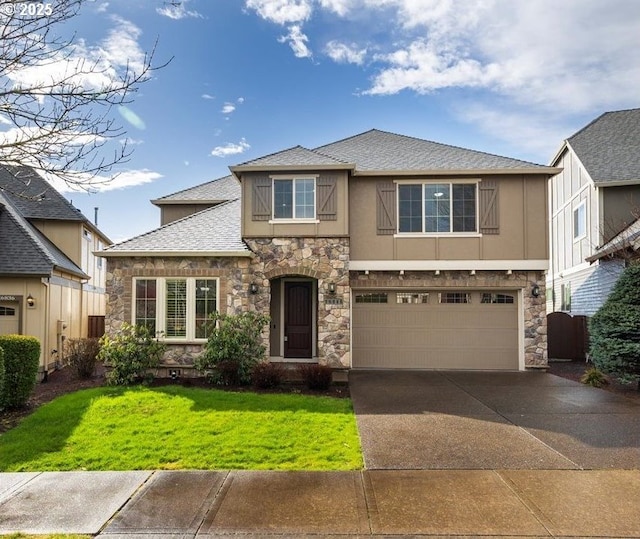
(298, 317)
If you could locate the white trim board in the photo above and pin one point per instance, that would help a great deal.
(448, 265)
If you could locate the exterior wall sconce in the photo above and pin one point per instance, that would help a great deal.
(31, 302)
(253, 288)
(332, 288)
(535, 291)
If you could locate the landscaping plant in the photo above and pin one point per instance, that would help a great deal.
(1, 374)
(131, 355)
(21, 360)
(316, 377)
(615, 330)
(82, 356)
(267, 375)
(594, 377)
(233, 348)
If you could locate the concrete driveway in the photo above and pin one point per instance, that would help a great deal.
(491, 421)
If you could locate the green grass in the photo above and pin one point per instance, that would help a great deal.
(179, 428)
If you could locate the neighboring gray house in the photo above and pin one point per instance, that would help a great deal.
(594, 201)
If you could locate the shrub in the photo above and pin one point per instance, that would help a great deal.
(233, 348)
(594, 377)
(267, 375)
(21, 361)
(615, 330)
(1, 374)
(130, 354)
(82, 356)
(314, 376)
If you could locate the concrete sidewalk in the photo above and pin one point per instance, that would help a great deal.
(127, 505)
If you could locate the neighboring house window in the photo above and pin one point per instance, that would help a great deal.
(580, 221)
(294, 198)
(378, 297)
(434, 208)
(565, 292)
(412, 297)
(179, 308)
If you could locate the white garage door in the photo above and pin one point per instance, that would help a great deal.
(435, 330)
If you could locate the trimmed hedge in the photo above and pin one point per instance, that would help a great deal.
(21, 361)
(1, 374)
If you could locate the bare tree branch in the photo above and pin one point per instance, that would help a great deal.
(58, 98)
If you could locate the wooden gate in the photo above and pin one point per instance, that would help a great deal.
(568, 336)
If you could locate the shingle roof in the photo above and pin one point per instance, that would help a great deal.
(296, 157)
(609, 147)
(218, 190)
(629, 238)
(34, 197)
(212, 231)
(377, 150)
(25, 250)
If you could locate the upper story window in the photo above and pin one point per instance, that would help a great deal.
(294, 198)
(580, 221)
(436, 208)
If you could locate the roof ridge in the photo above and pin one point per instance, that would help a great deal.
(270, 154)
(172, 223)
(606, 113)
(441, 144)
(195, 186)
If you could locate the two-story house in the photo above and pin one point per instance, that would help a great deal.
(376, 251)
(595, 201)
(52, 286)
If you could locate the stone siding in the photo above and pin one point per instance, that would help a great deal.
(323, 259)
(535, 321)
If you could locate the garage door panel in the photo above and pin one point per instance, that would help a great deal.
(436, 336)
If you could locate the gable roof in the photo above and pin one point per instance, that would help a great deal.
(25, 250)
(628, 239)
(609, 147)
(297, 157)
(211, 232)
(218, 190)
(378, 152)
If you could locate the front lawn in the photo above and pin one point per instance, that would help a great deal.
(184, 428)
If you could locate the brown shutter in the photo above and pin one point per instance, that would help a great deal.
(261, 199)
(489, 209)
(327, 198)
(386, 208)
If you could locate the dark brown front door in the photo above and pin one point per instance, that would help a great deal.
(297, 319)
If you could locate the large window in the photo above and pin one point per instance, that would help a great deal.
(176, 308)
(432, 208)
(294, 198)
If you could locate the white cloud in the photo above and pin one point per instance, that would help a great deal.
(297, 41)
(240, 100)
(131, 141)
(345, 54)
(207, 96)
(177, 10)
(228, 108)
(121, 48)
(282, 11)
(120, 180)
(230, 149)
(102, 7)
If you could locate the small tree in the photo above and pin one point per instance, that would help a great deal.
(21, 360)
(234, 347)
(82, 356)
(615, 330)
(130, 354)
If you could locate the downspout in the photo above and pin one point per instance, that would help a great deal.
(46, 352)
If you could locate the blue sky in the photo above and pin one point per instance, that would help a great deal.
(250, 77)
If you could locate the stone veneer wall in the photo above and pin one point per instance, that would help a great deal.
(324, 259)
(535, 320)
(234, 291)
